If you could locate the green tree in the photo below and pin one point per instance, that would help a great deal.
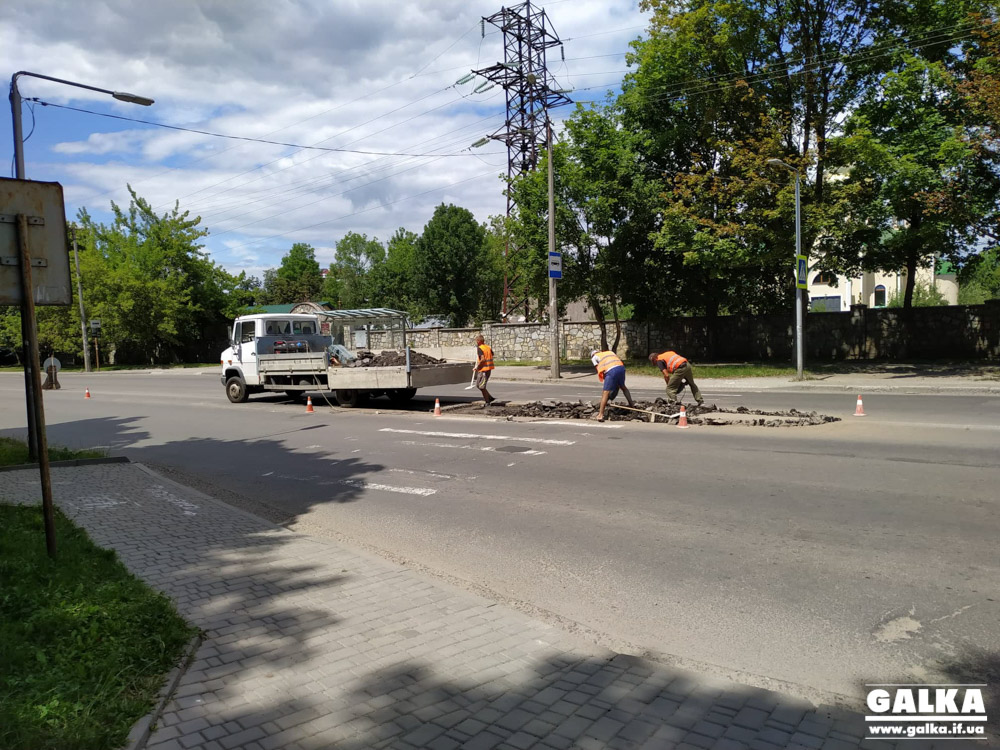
(355, 258)
(445, 262)
(391, 283)
(922, 178)
(604, 205)
(298, 277)
(979, 279)
(159, 297)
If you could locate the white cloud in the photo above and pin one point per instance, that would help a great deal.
(363, 75)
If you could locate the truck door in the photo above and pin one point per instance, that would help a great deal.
(246, 350)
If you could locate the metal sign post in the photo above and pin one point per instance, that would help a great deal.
(28, 308)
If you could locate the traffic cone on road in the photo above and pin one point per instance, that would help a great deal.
(860, 410)
(682, 423)
(309, 405)
(86, 393)
(437, 407)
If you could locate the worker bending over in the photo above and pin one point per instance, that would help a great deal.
(611, 372)
(676, 372)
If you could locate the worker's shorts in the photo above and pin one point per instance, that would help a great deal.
(613, 380)
(482, 378)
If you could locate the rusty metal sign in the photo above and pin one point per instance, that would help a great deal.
(42, 204)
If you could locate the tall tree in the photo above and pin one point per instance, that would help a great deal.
(356, 256)
(299, 273)
(158, 295)
(391, 283)
(445, 263)
(923, 178)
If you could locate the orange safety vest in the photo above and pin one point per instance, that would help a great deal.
(486, 362)
(607, 360)
(673, 360)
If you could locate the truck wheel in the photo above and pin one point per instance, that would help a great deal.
(401, 395)
(236, 390)
(351, 398)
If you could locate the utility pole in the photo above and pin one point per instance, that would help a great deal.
(553, 306)
(525, 79)
(79, 294)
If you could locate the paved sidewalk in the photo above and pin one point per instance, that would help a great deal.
(310, 644)
(888, 381)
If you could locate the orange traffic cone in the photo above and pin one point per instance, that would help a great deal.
(860, 410)
(309, 405)
(683, 421)
(437, 407)
(86, 393)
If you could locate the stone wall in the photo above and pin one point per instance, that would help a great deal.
(947, 332)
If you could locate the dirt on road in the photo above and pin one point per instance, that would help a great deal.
(658, 412)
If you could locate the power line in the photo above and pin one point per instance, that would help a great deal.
(713, 84)
(306, 187)
(230, 137)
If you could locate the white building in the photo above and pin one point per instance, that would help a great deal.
(836, 293)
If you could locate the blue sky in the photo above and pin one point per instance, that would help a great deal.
(370, 75)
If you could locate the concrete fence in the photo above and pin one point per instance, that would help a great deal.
(950, 332)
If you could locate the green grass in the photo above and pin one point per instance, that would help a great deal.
(14, 452)
(84, 645)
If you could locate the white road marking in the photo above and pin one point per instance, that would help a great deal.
(428, 473)
(487, 448)
(468, 435)
(363, 484)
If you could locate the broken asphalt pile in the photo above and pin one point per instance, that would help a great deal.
(393, 359)
(662, 413)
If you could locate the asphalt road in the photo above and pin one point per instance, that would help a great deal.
(809, 559)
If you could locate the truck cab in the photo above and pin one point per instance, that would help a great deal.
(254, 335)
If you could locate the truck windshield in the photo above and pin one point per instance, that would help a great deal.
(303, 327)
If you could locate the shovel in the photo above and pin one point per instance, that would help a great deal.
(472, 383)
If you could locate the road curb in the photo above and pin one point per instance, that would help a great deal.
(71, 462)
(143, 729)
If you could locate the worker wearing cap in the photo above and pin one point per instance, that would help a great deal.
(484, 366)
(611, 372)
(676, 372)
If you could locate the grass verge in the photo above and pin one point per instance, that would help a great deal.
(14, 452)
(84, 644)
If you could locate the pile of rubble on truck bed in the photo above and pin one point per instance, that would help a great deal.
(393, 359)
(662, 412)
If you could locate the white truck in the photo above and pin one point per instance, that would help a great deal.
(298, 353)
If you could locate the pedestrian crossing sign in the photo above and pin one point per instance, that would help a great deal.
(801, 272)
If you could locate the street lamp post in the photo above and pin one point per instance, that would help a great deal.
(83, 316)
(32, 384)
(799, 354)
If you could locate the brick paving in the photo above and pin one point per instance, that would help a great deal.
(310, 645)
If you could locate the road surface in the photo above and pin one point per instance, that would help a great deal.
(811, 560)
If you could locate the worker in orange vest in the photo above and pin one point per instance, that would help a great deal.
(611, 372)
(484, 366)
(676, 372)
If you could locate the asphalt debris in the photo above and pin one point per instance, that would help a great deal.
(393, 359)
(659, 411)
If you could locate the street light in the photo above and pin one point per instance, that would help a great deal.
(798, 252)
(27, 325)
(15, 109)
